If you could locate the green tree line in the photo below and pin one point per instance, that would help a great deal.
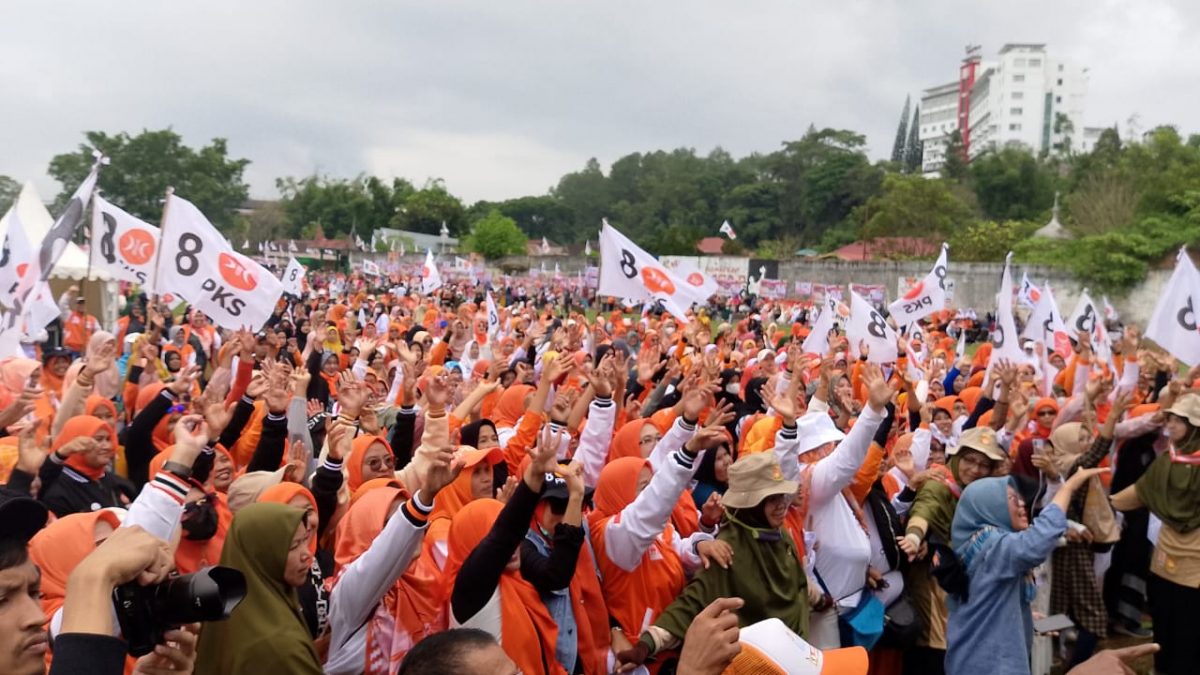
(1128, 204)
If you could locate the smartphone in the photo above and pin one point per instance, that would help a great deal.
(1052, 624)
(1039, 447)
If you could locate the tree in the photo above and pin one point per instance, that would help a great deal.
(989, 240)
(143, 166)
(426, 209)
(1102, 203)
(914, 151)
(954, 162)
(537, 216)
(586, 194)
(899, 156)
(1011, 184)
(495, 236)
(914, 206)
(9, 190)
(1063, 128)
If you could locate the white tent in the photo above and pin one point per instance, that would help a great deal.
(97, 286)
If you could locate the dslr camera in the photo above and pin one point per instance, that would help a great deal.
(146, 612)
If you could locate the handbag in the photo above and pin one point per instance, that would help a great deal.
(902, 624)
(861, 626)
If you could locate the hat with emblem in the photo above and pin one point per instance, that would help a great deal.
(982, 439)
(755, 477)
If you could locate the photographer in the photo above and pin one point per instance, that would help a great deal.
(86, 643)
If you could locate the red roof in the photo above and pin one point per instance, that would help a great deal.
(711, 245)
(885, 248)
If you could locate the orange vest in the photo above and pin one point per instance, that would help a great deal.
(77, 330)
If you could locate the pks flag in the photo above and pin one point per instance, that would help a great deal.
(704, 284)
(1028, 295)
(587, 247)
(1173, 324)
(868, 327)
(122, 244)
(627, 271)
(293, 277)
(63, 231)
(727, 230)
(199, 265)
(431, 279)
(292, 246)
(1110, 312)
(16, 257)
(545, 246)
(1005, 340)
(1046, 325)
(817, 341)
(493, 316)
(927, 297)
(1085, 316)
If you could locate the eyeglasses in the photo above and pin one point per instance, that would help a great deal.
(1046, 413)
(978, 462)
(381, 463)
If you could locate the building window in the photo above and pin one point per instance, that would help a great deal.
(1058, 99)
(1014, 127)
(1015, 111)
(1019, 78)
(1019, 63)
(1060, 81)
(1060, 67)
(1035, 63)
(1018, 95)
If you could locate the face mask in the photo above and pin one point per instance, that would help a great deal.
(199, 520)
(733, 388)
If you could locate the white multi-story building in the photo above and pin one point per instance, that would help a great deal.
(1022, 98)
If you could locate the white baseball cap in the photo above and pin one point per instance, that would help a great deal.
(771, 648)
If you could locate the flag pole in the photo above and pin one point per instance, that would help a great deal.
(162, 238)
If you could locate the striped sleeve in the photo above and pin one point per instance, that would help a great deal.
(175, 487)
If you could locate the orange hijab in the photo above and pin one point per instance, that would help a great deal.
(191, 555)
(409, 611)
(528, 634)
(354, 462)
(625, 445)
(511, 405)
(970, 397)
(95, 402)
(59, 547)
(83, 425)
(162, 435)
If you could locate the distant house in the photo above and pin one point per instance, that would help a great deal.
(711, 245)
(417, 242)
(886, 248)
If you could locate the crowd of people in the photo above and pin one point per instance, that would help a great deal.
(407, 487)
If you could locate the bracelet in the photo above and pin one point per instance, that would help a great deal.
(177, 468)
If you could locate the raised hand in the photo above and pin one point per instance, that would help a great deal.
(339, 441)
(505, 492)
(714, 552)
(20, 407)
(101, 359)
(713, 510)
(573, 475)
(721, 415)
(30, 454)
(437, 392)
(443, 468)
(351, 394)
(879, 392)
(545, 452)
(705, 438)
(217, 415)
(182, 384)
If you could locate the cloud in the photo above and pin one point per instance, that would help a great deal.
(501, 98)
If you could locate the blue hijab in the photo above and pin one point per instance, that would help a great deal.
(983, 508)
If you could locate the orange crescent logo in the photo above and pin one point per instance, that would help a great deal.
(137, 246)
(695, 279)
(656, 281)
(915, 291)
(235, 273)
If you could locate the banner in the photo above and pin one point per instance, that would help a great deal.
(1028, 295)
(728, 272)
(773, 289)
(293, 277)
(875, 293)
(431, 279)
(199, 265)
(627, 271)
(925, 298)
(868, 327)
(123, 245)
(370, 267)
(1173, 325)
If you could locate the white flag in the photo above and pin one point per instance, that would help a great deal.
(1173, 324)
(587, 247)
(868, 327)
(59, 237)
(817, 341)
(370, 267)
(627, 271)
(1046, 325)
(1028, 295)
(402, 251)
(293, 277)
(927, 297)
(545, 246)
(199, 265)
(262, 247)
(16, 257)
(961, 349)
(727, 230)
(461, 263)
(123, 245)
(40, 309)
(246, 244)
(1005, 341)
(703, 284)
(557, 272)
(431, 279)
(1083, 319)
(1110, 312)
(292, 246)
(493, 316)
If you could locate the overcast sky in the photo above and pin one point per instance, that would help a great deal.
(502, 97)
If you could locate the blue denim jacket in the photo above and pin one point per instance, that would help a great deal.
(558, 603)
